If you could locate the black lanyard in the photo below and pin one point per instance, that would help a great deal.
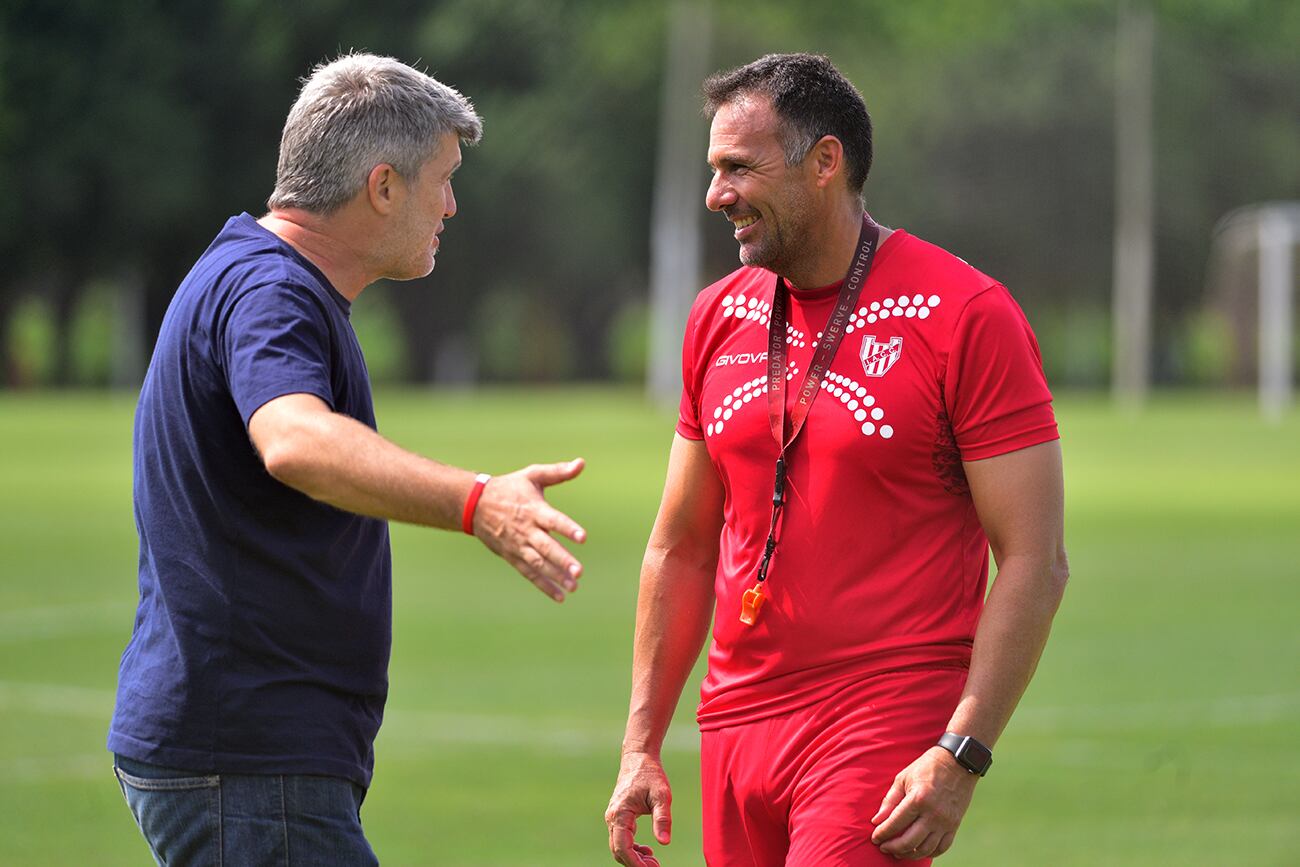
(832, 334)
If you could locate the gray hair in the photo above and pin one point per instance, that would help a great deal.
(354, 113)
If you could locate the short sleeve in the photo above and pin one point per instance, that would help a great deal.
(995, 390)
(688, 413)
(276, 342)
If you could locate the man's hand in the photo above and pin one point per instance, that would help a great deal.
(642, 789)
(919, 815)
(515, 521)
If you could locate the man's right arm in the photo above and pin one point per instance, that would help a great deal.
(674, 607)
(337, 460)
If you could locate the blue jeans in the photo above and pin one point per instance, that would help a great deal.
(195, 820)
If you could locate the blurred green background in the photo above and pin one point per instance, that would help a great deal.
(131, 129)
(1160, 729)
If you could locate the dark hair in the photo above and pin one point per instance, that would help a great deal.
(811, 98)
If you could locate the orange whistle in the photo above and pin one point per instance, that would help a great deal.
(750, 604)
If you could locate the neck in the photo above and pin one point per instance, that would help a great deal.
(321, 241)
(837, 245)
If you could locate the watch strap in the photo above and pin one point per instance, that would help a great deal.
(969, 753)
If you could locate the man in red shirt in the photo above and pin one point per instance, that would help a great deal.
(862, 416)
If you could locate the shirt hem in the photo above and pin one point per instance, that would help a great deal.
(762, 707)
(1047, 433)
(209, 762)
(264, 396)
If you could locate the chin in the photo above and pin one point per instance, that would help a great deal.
(755, 257)
(423, 268)
(413, 272)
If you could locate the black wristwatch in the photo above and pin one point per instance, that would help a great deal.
(969, 753)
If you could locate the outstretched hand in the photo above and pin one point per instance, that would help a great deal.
(642, 788)
(919, 815)
(514, 520)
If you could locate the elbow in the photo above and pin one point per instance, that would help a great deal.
(1059, 575)
(288, 460)
(293, 437)
(697, 560)
(284, 463)
(673, 563)
(281, 463)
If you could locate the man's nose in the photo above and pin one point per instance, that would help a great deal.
(450, 207)
(720, 194)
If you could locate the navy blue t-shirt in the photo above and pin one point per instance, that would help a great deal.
(262, 637)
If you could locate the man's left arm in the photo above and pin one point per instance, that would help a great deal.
(1020, 500)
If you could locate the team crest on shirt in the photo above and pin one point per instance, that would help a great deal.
(878, 358)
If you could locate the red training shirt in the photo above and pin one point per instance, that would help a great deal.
(881, 562)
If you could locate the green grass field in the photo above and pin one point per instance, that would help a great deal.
(1161, 729)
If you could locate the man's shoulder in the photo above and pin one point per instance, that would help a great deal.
(925, 262)
(246, 261)
(246, 253)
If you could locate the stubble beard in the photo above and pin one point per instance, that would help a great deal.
(409, 255)
(757, 255)
(778, 251)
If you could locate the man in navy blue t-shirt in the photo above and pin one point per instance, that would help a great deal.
(254, 682)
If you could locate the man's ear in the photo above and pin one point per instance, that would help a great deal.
(827, 160)
(384, 188)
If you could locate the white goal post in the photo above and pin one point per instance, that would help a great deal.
(1272, 229)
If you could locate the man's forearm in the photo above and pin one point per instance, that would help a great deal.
(1012, 632)
(674, 608)
(338, 460)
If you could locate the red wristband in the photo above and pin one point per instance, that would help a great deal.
(471, 503)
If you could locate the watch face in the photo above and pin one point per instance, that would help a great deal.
(975, 755)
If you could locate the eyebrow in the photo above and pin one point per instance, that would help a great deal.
(727, 160)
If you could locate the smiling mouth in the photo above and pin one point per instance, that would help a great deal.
(745, 222)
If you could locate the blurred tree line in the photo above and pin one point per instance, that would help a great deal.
(131, 129)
